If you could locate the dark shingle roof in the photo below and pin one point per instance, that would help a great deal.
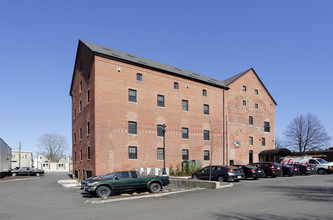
(119, 55)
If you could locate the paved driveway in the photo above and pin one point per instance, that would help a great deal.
(304, 197)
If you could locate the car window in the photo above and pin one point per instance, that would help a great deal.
(123, 175)
(266, 165)
(218, 168)
(205, 169)
(134, 174)
(313, 161)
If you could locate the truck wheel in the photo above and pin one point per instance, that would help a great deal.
(155, 187)
(103, 191)
(37, 174)
(321, 171)
(13, 174)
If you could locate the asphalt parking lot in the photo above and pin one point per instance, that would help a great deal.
(299, 197)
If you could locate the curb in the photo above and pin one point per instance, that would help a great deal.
(19, 179)
(138, 197)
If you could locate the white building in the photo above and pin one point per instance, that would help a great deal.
(25, 161)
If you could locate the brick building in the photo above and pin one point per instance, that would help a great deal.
(120, 102)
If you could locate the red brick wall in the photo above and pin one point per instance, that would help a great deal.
(238, 118)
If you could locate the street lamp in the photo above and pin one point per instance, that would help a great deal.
(164, 171)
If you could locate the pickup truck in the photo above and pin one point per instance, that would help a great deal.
(27, 171)
(125, 180)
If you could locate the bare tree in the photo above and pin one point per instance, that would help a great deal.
(279, 143)
(215, 140)
(306, 133)
(53, 146)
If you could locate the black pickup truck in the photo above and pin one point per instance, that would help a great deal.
(125, 180)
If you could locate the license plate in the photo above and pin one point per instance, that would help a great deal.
(239, 177)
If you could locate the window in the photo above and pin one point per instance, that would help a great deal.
(250, 156)
(139, 77)
(256, 91)
(88, 128)
(206, 154)
(80, 105)
(89, 173)
(184, 154)
(74, 156)
(185, 105)
(160, 154)
(159, 130)
(132, 152)
(256, 106)
(244, 103)
(185, 133)
(250, 120)
(250, 140)
(206, 135)
(132, 95)
(175, 85)
(134, 174)
(88, 153)
(88, 96)
(160, 100)
(263, 141)
(123, 175)
(74, 113)
(80, 134)
(132, 129)
(204, 92)
(80, 86)
(267, 126)
(206, 109)
(74, 138)
(244, 88)
(80, 155)
(88, 76)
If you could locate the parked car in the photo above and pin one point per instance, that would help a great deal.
(220, 173)
(288, 170)
(251, 171)
(270, 168)
(125, 180)
(27, 171)
(303, 169)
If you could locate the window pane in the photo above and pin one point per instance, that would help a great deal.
(251, 140)
(132, 95)
(244, 103)
(204, 92)
(250, 120)
(266, 126)
(160, 100)
(206, 154)
(263, 141)
(185, 154)
(139, 77)
(160, 130)
(160, 153)
(175, 85)
(132, 127)
(206, 135)
(206, 109)
(184, 105)
(244, 88)
(256, 91)
(256, 106)
(132, 152)
(185, 133)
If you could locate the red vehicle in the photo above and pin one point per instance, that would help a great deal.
(270, 168)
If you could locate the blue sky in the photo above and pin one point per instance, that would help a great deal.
(288, 43)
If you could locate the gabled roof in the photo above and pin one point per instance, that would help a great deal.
(235, 77)
(147, 63)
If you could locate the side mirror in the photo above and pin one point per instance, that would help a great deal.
(116, 178)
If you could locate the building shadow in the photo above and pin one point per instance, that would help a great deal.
(305, 193)
(262, 216)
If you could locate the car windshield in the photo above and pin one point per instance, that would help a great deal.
(110, 175)
(321, 160)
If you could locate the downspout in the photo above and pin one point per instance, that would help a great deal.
(223, 132)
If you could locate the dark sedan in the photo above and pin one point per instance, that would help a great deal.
(251, 171)
(220, 173)
(303, 169)
(288, 170)
(27, 171)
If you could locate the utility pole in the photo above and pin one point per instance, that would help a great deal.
(20, 154)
